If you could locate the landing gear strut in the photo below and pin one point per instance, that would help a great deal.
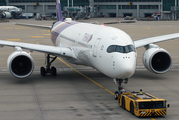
(119, 82)
(51, 70)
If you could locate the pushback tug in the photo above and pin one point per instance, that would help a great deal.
(143, 104)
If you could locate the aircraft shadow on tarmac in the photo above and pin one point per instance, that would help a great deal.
(61, 76)
(76, 77)
(150, 76)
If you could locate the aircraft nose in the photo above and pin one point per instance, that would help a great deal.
(127, 70)
(127, 67)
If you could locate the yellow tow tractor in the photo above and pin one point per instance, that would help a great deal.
(142, 104)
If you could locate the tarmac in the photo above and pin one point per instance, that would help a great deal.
(87, 95)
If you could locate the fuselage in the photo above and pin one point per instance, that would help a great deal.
(10, 8)
(109, 50)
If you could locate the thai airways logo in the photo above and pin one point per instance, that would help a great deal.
(87, 37)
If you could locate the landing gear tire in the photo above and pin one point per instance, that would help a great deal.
(42, 71)
(53, 71)
(116, 94)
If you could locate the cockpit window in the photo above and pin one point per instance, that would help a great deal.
(121, 49)
(127, 49)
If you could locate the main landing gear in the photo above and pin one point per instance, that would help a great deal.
(51, 70)
(119, 82)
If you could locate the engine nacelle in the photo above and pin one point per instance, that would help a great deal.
(6, 15)
(157, 60)
(20, 64)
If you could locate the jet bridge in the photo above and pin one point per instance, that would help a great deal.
(77, 12)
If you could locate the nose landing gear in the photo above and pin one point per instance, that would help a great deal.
(119, 82)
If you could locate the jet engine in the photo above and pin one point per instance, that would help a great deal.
(157, 60)
(20, 64)
(6, 15)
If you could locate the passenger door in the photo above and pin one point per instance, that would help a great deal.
(95, 47)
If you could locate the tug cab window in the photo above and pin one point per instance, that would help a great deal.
(121, 49)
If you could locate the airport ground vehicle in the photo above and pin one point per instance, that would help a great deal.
(143, 104)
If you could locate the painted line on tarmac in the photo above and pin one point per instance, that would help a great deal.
(46, 30)
(46, 34)
(13, 39)
(37, 36)
(85, 76)
(8, 27)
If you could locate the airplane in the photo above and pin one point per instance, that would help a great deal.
(10, 12)
(109, 50)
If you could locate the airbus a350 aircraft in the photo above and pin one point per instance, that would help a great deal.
(109, 50)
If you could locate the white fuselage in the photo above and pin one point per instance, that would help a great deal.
(97, 46)
(10, 8)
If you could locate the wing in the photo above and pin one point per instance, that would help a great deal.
(33, 25)
(151, 40)
(58, 51)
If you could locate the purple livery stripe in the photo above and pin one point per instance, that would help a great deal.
(60, 27)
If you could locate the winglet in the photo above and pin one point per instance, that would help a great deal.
(59, 11)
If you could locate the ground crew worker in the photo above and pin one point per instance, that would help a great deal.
(141, 91)
(123, 90)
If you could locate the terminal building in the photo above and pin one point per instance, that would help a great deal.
(168, 9)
